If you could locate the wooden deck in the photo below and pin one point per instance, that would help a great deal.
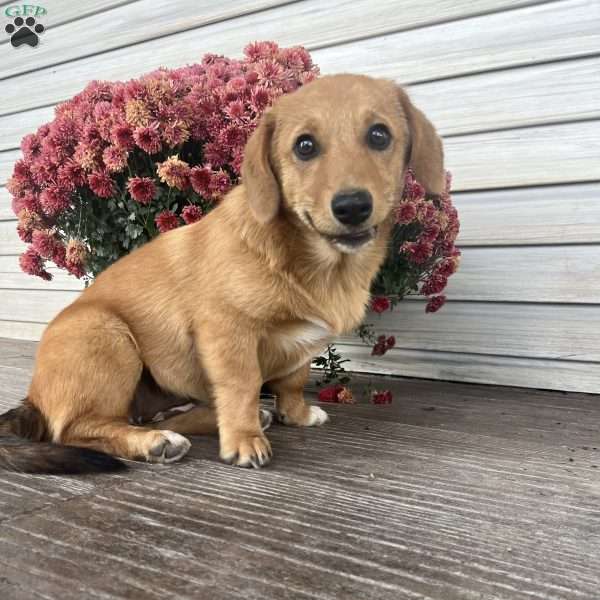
(453, 491)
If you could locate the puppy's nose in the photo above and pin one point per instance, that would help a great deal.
(352, 207)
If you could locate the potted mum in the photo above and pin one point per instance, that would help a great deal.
(123, 162)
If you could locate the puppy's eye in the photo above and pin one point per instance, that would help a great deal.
(306, 147)
(379, 137)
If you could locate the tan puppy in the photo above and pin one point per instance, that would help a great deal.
(248, 295)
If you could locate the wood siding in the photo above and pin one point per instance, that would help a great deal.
(513, 87)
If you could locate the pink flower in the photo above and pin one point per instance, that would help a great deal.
(434, 284)
(406, 213)
(259, 50)
(101, 184)
(418, 252)
(166, 220)
(45, 242)
(75, 257)
(219, 183)
(148, 139)
(200, 178)
(54, 200)
(435, 303)
(174, 172)
(447, 267)
(122, 136)
(142, 189)
(71, 175)
(381, 397)
(380, 304)
(336, 393)
(114, 158)
(28, 222)
(33, 264)
(191, 213)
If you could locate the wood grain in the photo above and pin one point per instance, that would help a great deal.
(546, 34)
(435, 496)
(559, 214)
(535, 34)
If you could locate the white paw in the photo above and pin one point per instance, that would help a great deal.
(172, 447)
(266, 418)
(317, 416)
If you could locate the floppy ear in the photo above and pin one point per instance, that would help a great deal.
(426, 154)
(262, 188)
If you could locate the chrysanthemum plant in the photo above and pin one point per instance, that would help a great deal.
(124, 161)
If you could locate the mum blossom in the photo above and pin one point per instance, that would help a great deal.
(435, 303)
(191, 213)
(174, 172)
(166, 220)
(142, 189)
(380, 304)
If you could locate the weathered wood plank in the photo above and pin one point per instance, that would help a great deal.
(459, 105)
(6, 213)
(543, 33)
(561, 214)
(538, 331)
(567, 30)
(477, 368)
(521, 157)
(67, 10)
(525, 157)
(21, 330)
(563, 332)
(347, 518)
(553, 274)
(512, 98)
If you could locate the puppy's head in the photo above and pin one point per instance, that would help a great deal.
(333, 155)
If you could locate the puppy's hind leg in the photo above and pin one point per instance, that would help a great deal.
(290, 406)
(84, 384)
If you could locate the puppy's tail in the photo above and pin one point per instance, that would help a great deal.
(39, 456)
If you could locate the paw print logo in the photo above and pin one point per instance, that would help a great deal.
(24, 32)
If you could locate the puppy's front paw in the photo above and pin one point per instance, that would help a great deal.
(317, 416)
(169, 448)
(311, 416)
(244, 450)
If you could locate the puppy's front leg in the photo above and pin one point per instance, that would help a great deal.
(290, 406)
(231, 364)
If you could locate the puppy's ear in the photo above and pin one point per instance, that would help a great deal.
(426, 154)
(260, 183)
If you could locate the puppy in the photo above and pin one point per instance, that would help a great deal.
(247, 296)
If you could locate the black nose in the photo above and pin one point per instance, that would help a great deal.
(352, 208)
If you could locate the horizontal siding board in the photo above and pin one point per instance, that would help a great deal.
(549, 331)
(313, 21)
(457, 106)
(559, 274)
(477, 368)
(560, 214)
(129, 25)
(21, 330)
(316, 23)
(543, 33)
(538, 331)
(512, 98)
(12, 277)
(9, 240)
(521, 157)
(66, 10)
(525, 157)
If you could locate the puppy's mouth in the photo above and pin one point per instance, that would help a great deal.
(351, 241)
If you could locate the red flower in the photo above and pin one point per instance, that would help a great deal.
(418, 252)
(200, 179)
(166, 220)
(406, 213)
(381, 397)
(101, 184)
(380, 304)
(142, 189)
(148, 139)
(191, 213)
(336, 393)
(435, 303)
(54, 200)
(122, 136)
(33, 264)
(434, 285)
(390, 342)
(45, 242)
